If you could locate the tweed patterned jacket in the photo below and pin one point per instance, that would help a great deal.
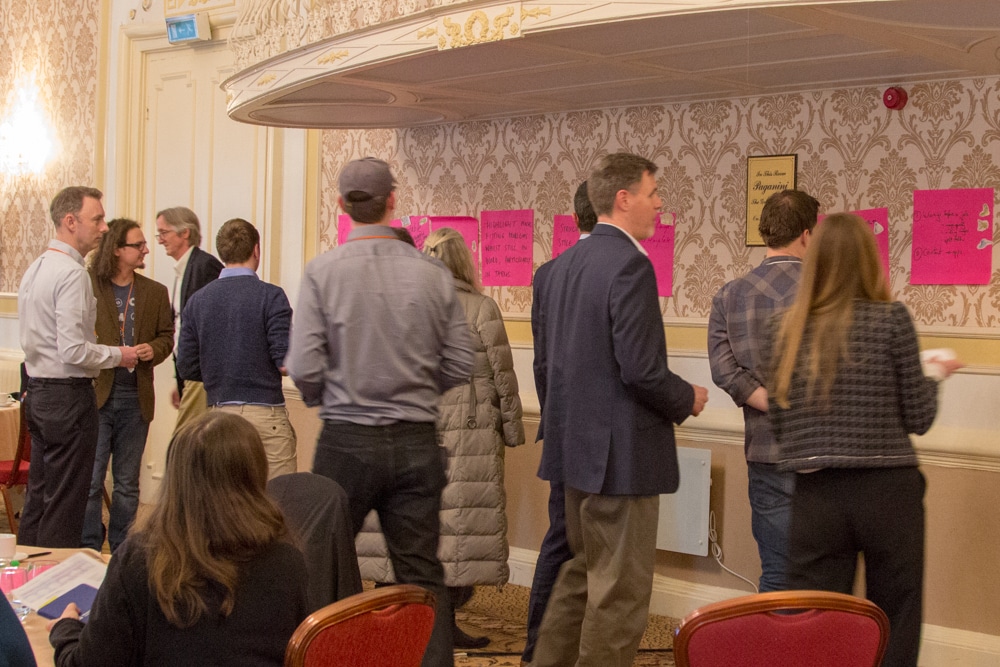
(879, 396)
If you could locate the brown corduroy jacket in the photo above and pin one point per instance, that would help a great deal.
(154, 324)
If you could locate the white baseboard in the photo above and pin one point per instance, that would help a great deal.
(940, 647)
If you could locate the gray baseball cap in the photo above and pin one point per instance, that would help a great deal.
(367, 176)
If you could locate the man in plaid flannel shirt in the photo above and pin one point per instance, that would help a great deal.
(737, 330)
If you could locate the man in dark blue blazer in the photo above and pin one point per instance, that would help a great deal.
(179, 232)
(609, 404)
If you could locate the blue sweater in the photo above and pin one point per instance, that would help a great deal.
(234, 337)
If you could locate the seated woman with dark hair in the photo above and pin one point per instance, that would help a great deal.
(211, 577)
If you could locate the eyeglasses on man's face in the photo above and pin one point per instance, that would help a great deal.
(141, 245)
(160, 233)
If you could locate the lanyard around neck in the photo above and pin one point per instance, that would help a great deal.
(124, 318)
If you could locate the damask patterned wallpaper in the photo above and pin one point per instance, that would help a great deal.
(853, 154)
(52, 43)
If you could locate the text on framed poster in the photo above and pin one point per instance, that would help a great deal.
(766, 174)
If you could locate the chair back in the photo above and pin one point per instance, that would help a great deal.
(385, 626)
(15, 472)
(785, 629)
(316, 510)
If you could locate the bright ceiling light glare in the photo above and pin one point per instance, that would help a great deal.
(25, 140)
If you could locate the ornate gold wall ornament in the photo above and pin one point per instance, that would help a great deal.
(177, 5)
(534, 13)
(265, 80)
(332, 57)
(426, 32)
(477, 27)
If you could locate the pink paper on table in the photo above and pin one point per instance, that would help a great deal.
(661, 253)
(419, 227)
(507, 238)
(465, 225)
(564, 234)
(878, 220)
(952, 237)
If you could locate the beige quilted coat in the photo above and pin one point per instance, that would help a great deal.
(473, 547)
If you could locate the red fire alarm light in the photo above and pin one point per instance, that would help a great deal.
(894, 98)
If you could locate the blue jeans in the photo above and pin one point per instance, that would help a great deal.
(397, 470)
(770, 492)
(122, 438)
(553, 553)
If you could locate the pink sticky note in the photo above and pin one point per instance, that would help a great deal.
(343, 228)
(507, 238)
(465, 225)
(661, 253)
(878, 220)
(419, 227)
(952, 237)
(564, 234)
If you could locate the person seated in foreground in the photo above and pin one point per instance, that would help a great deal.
(210, 578)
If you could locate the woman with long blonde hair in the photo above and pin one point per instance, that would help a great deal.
(475, 421)
(847, 390)
(210, 578)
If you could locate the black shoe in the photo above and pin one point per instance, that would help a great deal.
(463, 640)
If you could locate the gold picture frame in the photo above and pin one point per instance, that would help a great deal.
(766, 174)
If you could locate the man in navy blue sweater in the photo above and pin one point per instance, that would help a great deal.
(234, 336)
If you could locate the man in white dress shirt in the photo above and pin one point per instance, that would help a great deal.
(57, 312)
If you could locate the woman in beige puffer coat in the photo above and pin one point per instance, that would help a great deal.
(475, 421)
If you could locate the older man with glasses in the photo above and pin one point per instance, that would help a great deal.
(179, 232)
(131, 310)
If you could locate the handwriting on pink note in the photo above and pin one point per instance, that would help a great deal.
(507, 239)
(564, 234)
(661, 253)
(952, 237)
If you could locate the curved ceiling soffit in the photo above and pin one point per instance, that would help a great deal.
(501, 59)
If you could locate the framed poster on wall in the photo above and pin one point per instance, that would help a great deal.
(766, 174)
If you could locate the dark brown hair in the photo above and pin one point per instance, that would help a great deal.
(212, 515)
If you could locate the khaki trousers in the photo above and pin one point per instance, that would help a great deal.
(194, 403)
(276, 432)
(600, 604)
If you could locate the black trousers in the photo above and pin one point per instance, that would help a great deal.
(397, 470)
(838, 513)
(63, 422)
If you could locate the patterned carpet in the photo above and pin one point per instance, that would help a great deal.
(501, 615)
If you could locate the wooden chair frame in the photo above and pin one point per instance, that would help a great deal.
(23, 440)
(778, 601)
(356, 605)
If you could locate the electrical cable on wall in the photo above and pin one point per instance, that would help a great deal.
(717, 551)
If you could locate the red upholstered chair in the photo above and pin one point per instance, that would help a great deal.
(822, 630)
(15, 471)
(385, 626)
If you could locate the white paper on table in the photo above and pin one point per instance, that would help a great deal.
(79, 568)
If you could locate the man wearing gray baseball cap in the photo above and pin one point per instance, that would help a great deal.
(377, 336)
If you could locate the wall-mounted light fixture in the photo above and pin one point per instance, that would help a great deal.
(25, 138)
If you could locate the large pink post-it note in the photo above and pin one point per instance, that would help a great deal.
(467, 226)
(419, 227)
(564, 234)
(952, 237)
(878, 220)
(507, 238)
(661, 253)
(343, 228)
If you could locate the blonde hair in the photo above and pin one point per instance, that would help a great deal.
(448, 245)
(213, 514)
(841, 265)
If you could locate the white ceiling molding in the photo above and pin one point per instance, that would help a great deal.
(486, 60)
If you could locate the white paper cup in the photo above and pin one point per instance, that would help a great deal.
(8, 545)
